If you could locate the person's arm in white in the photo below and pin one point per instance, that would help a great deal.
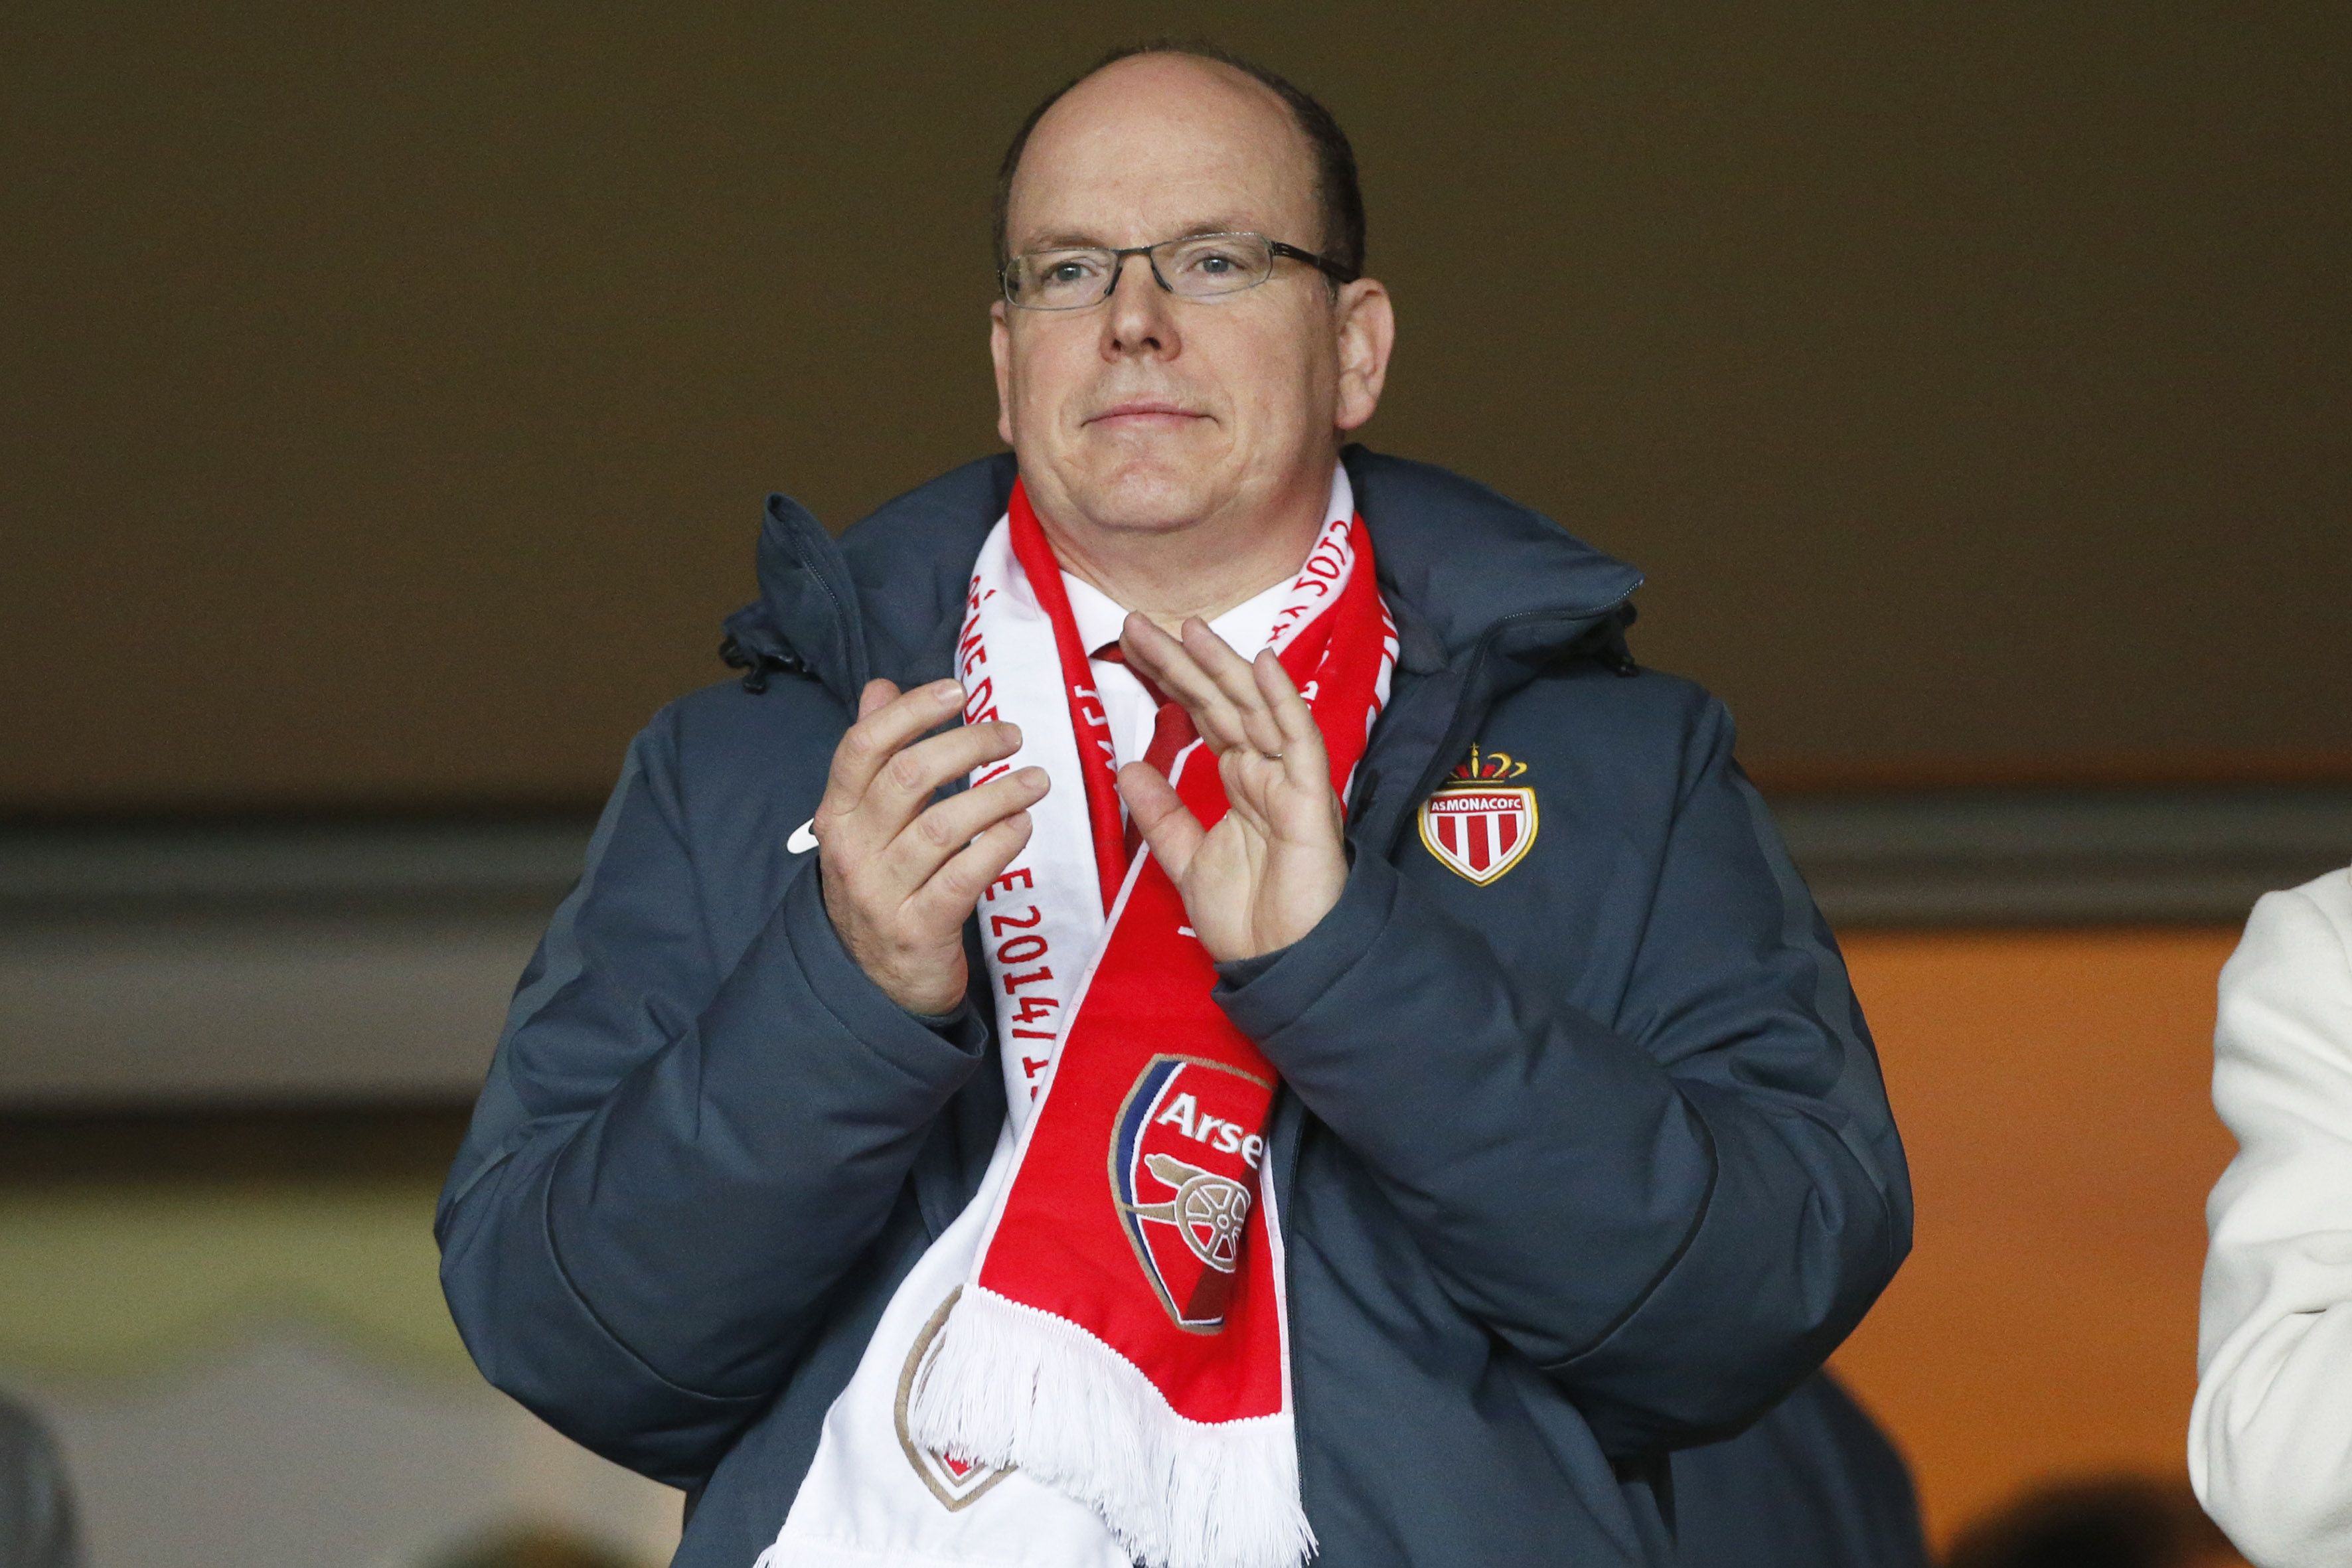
(2269, 1437)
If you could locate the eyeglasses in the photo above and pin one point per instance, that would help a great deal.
(1197, 266)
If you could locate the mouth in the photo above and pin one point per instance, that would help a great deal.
(1144, 414)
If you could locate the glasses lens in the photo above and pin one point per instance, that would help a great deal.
(1059, 279)
(1215, 263)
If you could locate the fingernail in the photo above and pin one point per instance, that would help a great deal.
(1034, 778)
(947, 692)
(1012, 733)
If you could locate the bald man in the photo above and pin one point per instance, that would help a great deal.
(1193, 1007)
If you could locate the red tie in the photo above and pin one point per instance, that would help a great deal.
(1171, 728)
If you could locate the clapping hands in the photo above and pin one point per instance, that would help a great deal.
(1262, 876)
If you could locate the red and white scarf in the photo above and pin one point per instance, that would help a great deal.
(1097, 1346)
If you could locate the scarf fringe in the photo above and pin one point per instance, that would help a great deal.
(1008, 1384)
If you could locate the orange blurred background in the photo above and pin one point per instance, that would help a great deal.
(2052, 1089)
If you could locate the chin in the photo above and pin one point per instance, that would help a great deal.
(1139, 493)
(1156, 511)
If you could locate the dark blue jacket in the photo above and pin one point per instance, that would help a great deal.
(1578, 1167)
(1815, 1484)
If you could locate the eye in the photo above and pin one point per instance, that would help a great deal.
(1062, 274)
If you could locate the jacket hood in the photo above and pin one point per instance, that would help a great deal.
(1456, 561)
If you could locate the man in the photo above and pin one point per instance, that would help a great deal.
(1380, 1096)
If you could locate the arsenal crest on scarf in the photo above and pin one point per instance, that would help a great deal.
(1187, 1220)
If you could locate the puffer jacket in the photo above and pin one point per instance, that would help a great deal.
(1579, 1165)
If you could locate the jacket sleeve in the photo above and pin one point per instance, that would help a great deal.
(679, 1150)
(2273, 1416)
(1676, 1211)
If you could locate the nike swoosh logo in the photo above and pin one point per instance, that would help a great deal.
(802, 840)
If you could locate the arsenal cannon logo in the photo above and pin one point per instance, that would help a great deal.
(1184, 1158)
(1477, 823)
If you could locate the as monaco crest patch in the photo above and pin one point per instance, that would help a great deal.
(1184, 1159)
(1478, 823)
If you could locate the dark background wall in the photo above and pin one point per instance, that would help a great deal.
(388, 392)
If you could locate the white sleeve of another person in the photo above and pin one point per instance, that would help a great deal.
(2269, 1435)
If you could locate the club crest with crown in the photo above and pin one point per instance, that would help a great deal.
(1479, 823)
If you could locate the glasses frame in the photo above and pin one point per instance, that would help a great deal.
(1119, 254)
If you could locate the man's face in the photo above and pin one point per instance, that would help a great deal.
(1150, 412)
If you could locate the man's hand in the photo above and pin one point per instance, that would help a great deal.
(900, 879)
(1276, 865)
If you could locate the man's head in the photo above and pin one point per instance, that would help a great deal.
(1151, 412)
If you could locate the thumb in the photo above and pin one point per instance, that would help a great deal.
(1168, 825)
(879, 693)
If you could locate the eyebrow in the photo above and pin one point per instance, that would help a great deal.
(1079, 239)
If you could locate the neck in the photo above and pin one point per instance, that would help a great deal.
(1202, 568)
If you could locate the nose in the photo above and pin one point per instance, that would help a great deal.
(1138, 320)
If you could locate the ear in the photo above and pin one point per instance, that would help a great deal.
(999, 349)
(1367, 332)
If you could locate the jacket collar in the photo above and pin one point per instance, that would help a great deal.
(1463, 567)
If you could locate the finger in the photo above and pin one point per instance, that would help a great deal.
(940, 833)
(903, 787)
(877, 695)
(1233, 675)
(1168, 825)
(879, 735)
(948, 898)
(1304, 759)
(1164, 661)
(1250, 780)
